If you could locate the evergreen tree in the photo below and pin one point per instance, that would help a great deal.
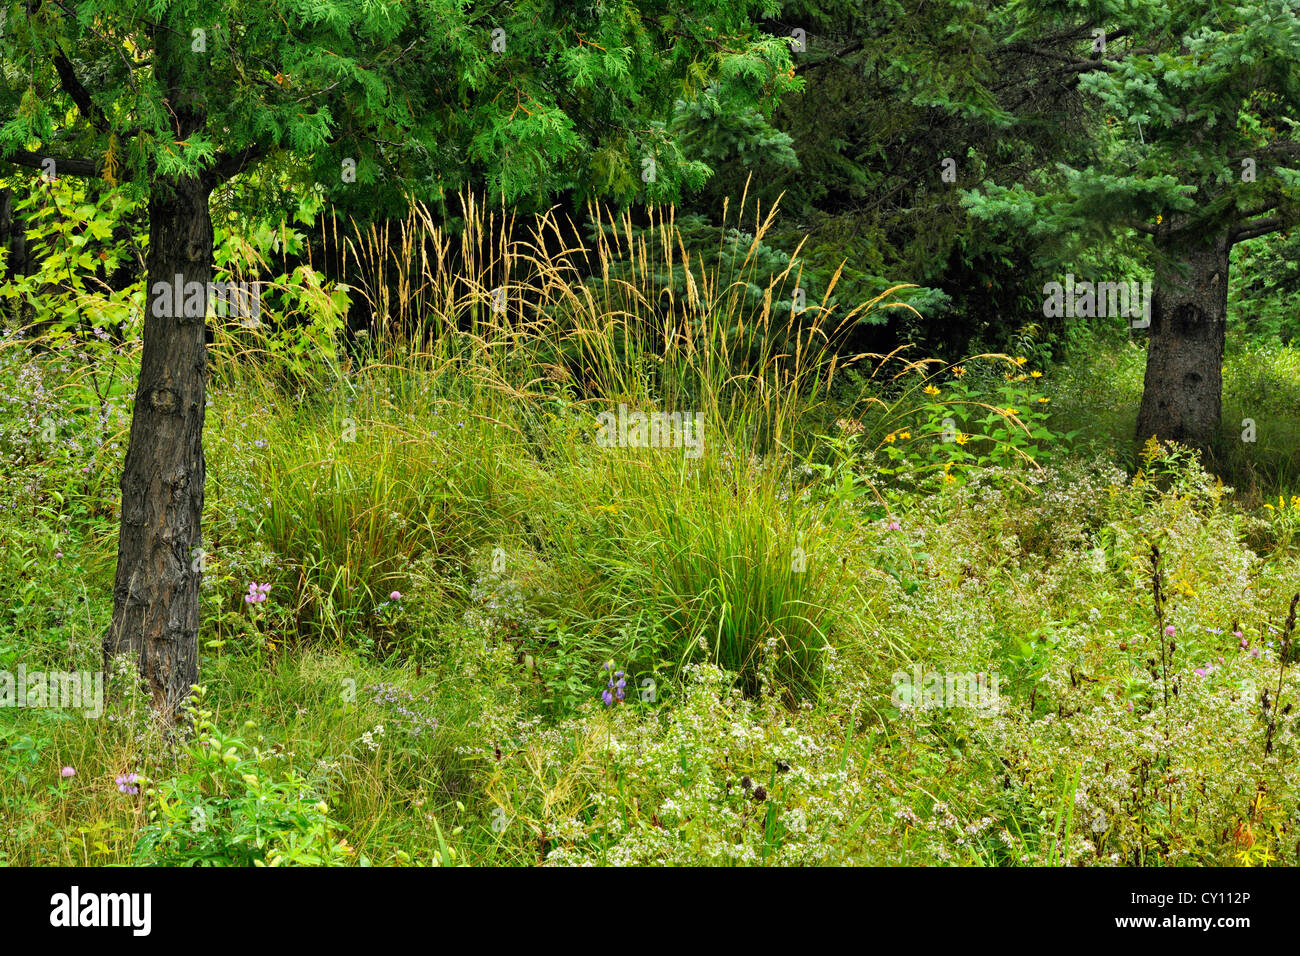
(393, 97)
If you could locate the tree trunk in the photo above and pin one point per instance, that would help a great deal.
(1182, 396)
(156, 592)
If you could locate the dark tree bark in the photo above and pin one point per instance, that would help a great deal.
(1182, 396)
(156, 591)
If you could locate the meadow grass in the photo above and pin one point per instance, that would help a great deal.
(458, 569)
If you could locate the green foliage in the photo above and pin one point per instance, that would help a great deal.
(1263, 289)
(370, 101)
(228, 808)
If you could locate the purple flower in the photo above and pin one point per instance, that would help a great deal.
(893, 526)
(125, 783)
(1169, 631)
(395, 596)
(67, 772)
(607, 697)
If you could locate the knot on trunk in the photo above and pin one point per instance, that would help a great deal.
(165, 400)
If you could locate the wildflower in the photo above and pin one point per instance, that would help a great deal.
(961, 438)
(1021, 360)
(614, 690)
(1240, 636)
(930, 390)
(1169, 631)
(260, 442)
(67, 772)
(893, 526)
(126, 783)
(1035, 374)
(958, 371)
(395, 596)
(256, 593)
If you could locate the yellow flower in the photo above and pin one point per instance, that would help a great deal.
(930, 390)
(1044, 401)
(1010, 411)
(958, 371)
(962, 438)
(1021, 361)
(1021, 378)
(1159, 220)
(905, 435)
(891, 436)
(1036, 374)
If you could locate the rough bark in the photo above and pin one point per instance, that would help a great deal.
(156, 592)
(1182, 396)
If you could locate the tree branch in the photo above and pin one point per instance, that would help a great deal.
(1253, 228)
(73, 87)
(88, 168)
(230, 165)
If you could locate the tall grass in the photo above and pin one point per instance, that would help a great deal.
(472, 410)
